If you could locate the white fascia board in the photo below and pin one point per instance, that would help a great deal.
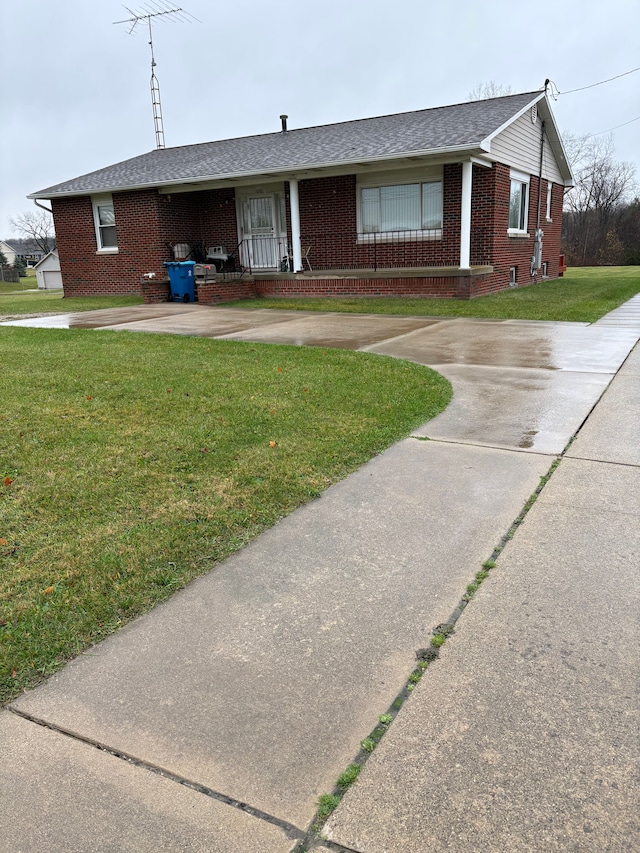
(514, 117)
(266, 174)
(556, 142)
(554, 136)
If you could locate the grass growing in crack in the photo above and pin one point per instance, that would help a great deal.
(349, 776)
(327, 803)
(368, 744)
(424, 657)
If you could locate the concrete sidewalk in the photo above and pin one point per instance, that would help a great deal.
(524, 735)
(216, 721)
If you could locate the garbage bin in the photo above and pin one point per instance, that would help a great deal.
(181, 280)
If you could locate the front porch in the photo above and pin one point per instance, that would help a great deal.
(214, 288)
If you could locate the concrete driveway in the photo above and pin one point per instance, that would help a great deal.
(215, 721)
(523, 385)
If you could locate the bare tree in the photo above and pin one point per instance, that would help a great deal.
(38, 227)
(603, 186)
(489, 90)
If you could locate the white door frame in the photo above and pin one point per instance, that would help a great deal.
(266, 249)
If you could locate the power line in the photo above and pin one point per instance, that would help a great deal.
(592, 85)
(624, 124)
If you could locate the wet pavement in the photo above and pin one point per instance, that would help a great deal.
(215, 721)
(524, 385)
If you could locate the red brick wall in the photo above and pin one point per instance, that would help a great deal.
(433, 286)
(328, 223)
(85, 271)
(148, 224)
(490, 214)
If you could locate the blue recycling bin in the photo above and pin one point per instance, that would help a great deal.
(181, 280)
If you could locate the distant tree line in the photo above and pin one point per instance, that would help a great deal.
(601, 222)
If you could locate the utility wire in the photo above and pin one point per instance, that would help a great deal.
(624, 124)
(591, 85)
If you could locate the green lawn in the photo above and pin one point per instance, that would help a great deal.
(28, 282)
(133, 463)
(584, 294)
(41, 303)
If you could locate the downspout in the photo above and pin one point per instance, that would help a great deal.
(536, 260)
(37, 204)
(48, 209)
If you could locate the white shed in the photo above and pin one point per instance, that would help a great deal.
(48, 272)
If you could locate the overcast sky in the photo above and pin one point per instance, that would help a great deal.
(74, 88)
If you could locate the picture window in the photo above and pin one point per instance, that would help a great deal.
(401, 207)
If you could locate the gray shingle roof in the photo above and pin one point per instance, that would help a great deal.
(454, 127)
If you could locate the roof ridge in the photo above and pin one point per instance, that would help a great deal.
(289, 131)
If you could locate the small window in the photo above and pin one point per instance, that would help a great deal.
(518, 202)
(549, 192)
(105, 223)
(513, 276)
(545, 269)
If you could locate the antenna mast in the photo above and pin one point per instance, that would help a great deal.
(155, 9)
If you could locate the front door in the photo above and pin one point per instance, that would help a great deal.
(262, 246)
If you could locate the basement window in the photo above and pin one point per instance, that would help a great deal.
(105, 223)
(513, 276)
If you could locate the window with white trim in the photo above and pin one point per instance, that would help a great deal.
(105, 223)
(518, 203)
(401, 207)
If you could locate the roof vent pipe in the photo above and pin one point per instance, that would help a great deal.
(283, 119)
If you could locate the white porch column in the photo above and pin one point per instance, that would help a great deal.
(294, 210)
(465, 215)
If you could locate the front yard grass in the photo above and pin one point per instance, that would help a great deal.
(583, 295)
(13, 304)
(130, 464)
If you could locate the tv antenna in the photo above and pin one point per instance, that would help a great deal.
(150, 10)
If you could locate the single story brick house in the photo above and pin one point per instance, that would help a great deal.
(455, 201)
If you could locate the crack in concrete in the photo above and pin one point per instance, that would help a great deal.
(291, 831)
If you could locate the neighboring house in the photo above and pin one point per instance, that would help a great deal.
(29, 258)
(48, 272)
(9, 252)
(438, 202)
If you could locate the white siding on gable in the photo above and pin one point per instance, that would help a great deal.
(519, 146)
(8, 252)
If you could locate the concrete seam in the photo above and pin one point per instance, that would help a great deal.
(528, 451)
(291, 831)
(424, 657)
(441, 632)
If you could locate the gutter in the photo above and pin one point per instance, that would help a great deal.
(285, 173)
